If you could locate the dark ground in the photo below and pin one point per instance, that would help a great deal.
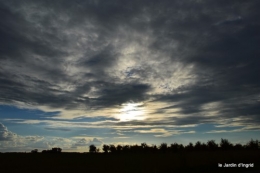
(196, 161)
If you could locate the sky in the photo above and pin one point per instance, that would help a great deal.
(82, 72)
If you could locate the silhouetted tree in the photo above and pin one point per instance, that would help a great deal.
(163, 147)
(34, 151)
(154, 148)
(105, 148)
(145, 147)
(204, 146)
(56, 150)
(112, 148)
(181, 147)
(174, 147)
(253, 145)
(135, 148)
(238, 147)
(119, 148)
(126, 148)
(92, 149)
(189, 147)
(53, 150)
(225, 144)
(212, 145)
(198, 146)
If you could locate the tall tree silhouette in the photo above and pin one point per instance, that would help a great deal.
(154, 148)
(92, 149)
(253, 145)
(105, 148)
(189, 147)
(145, 147)
(119, 148)
(174, 147)
(212, 145)
(126, 148)
(112, 148)
(163, 147)
(239, 147)
(198, 146)
(225, 144)
(135, 148)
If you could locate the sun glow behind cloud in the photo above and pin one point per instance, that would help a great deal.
(131, 111)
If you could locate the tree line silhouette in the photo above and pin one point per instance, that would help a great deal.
(211, 145)
(53, 150)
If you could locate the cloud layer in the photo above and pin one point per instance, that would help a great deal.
(185, 62)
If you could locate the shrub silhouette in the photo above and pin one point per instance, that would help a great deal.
(34, 151)
(53, 150)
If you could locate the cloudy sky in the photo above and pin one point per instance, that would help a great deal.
(75, 73)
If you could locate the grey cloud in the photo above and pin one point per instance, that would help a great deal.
(225, 62)
(63, 53)
(85, 143)
(43, 44)
(10, 141)
(81, 143)
(5, 134)
(95, 141)
(58, 129)
(34, 138)
(114, 94)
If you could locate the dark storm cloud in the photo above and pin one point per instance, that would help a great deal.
(32, 40)
(225, 53)
(37, 91)
(18, 35)
(63, 54)
(116, 94)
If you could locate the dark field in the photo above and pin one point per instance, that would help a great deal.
(196, 161)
